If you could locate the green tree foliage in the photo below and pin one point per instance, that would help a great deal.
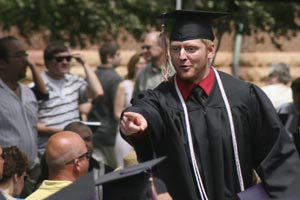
(277, 18)
(81, 21)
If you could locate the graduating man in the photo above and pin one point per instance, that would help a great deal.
(214, 128)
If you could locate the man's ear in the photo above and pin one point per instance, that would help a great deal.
(15, 178)
(109, 58)
(211, 51)
(77, 167)
(77, 164)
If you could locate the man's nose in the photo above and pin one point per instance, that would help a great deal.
(182, 54)
(65, 60)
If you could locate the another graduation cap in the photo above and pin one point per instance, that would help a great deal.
(191, 24)
(132, 183)
(83, 189)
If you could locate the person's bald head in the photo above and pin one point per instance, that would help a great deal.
(63, 147)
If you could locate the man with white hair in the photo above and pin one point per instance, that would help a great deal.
(277, 89)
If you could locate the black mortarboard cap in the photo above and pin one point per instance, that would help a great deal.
(131, 183)
(191, 24)
(83, 189)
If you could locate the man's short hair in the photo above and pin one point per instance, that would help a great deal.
(52, 49)
(282, 70)
(74, 126)
(109, 48)
(3, 46)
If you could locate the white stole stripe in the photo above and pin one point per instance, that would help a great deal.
(233, 135)
(191, 148)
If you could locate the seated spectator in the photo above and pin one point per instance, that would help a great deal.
(67, 159)
(98, 167)
(14, 172)
(277, 89)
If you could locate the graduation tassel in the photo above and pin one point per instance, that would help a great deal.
(167, 71)
(165, 54)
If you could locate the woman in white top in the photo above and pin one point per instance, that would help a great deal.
(122, 100)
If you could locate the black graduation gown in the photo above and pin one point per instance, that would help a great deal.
(263, 144)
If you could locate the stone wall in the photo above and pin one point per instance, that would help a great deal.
(254, 67)
(257, 53)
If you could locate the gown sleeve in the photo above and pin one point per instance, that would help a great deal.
(275, 157)
(146, 105)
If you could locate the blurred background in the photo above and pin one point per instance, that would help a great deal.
(255, 33)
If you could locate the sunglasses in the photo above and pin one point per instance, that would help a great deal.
(87, 155)
(61, 58)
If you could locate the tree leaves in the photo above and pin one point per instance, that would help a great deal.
(81, 21)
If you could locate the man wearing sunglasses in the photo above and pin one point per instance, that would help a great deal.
(65, 91)
(67, 158)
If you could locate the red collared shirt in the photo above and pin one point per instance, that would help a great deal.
(206, 84)
(185, 88)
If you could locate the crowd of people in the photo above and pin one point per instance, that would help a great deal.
(216, 131)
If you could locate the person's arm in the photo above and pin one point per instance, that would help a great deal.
(40, 89)
(85, 109)
(94, 88)
(119, 103)
(132, 123)
(43, 129)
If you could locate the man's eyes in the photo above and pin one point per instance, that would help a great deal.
(175, 49)
(190, 49)
(187, 49)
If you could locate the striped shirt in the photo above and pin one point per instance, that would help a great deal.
(62, 107)
(18, 124)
